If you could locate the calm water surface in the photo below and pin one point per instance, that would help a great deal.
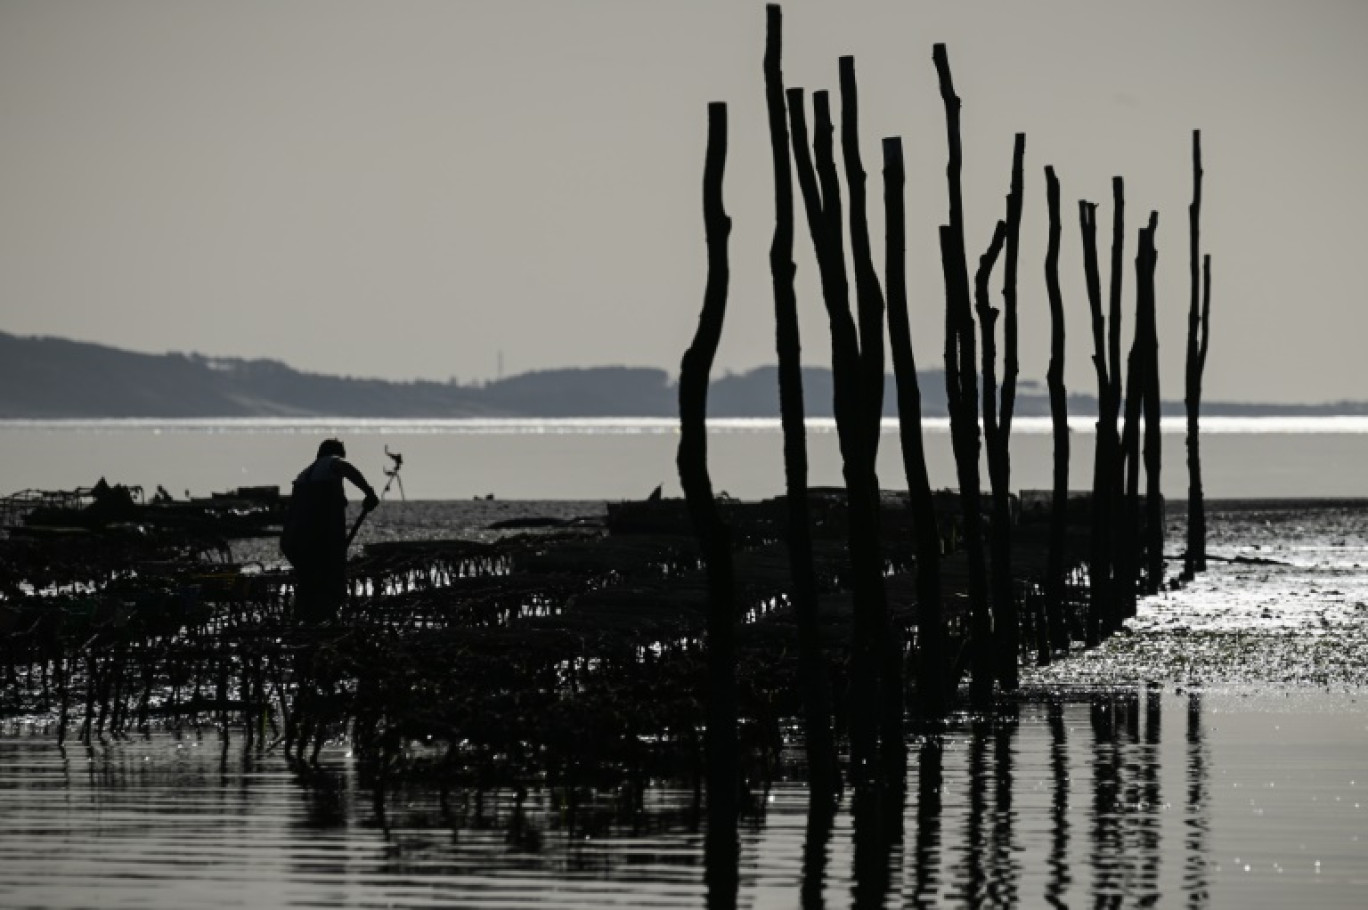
(1214, 755)
(1143, 798)
(627, 458)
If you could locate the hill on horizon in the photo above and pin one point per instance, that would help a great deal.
(55, 378)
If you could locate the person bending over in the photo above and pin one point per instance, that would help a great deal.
(314, 539)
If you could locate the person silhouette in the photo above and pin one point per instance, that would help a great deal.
(314, 537)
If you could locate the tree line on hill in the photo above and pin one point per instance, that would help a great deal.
(52, 378)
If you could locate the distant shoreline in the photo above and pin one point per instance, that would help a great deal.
(58, 379)
(1029, 424)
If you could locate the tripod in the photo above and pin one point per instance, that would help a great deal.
(393, 474)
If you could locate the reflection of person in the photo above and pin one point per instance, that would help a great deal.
(315, 533)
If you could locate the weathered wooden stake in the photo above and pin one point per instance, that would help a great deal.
(988, 316)
(1118, 267)
(824, 776)
(1154, 501)
(998, 409)
(871, 601)
(869, 298)
(1054, 378)
(1198, 336)
(932, 696)
(961, 386)
(1111, 616)
(821, 190)
(1100, 550)
(1126, 567)
(822, 203)
(714, 536)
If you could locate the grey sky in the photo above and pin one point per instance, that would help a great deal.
(406, 189)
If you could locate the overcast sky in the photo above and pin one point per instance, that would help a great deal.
(427, 189)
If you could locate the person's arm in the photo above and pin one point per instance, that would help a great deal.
(358, 479)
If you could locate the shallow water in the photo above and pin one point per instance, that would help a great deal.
(1225, 801)
(627, 458)
(1216, 755)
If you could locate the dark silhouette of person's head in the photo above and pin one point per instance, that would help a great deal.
(332, 447)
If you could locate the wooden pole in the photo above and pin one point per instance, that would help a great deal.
(1111, 616)
(961, 382)
(1205, 344)
(1007, 626)
(1128, 529)
(1117, 275)
(932, 696)
(822, 201)
(1010, 360)
(869, 298)
(987, 320)
(824, 776)
(885, 643)
(1154, 501)
(1099, 560)
(1195, 560)
(821, 190)
(723, 775)
(1054, 377)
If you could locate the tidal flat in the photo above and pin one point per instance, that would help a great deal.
(1213, 754)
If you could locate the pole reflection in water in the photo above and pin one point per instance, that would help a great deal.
(722, 857)
(816, 844)
(1127, 824)
(877, 812)
(1195, 865)
(1005, 870)
(324, 802)
(1058, 881)
(989, 872)
(968, 885)
(1151, 799)
(1058, 802)
(927, 855)
(1039, 818)
(1106, 851)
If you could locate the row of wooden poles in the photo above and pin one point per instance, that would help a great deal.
(1120, 513)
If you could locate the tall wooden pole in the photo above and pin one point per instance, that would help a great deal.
(1111, 616)
(1054, 377)
(867, 563)
(932, 695)
(961, 382)
(1195, 561)
(1128, 529)
(1010, 359)
(821, 749)
(869, 298)
(1154, 501)
(1118, 267)
(1099, 567)
(820, 185)
(714, 536)
(1000, 579)
(998, 433)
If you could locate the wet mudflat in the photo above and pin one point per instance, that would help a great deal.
(1217, 755)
